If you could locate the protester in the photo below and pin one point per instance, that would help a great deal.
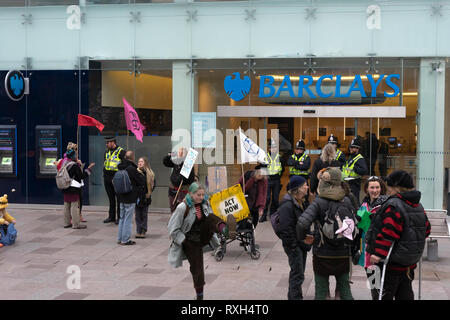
(176, 178)
(144, 198)
(375, 190)
(72, 195)
(128, 200)
(291, 208)
(400, 224)
(8, 232)
(327, 159)
(114, 155)
(331, 252)
(61, 162)
(255, 191)
(192, 227)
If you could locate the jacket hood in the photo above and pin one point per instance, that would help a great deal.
(125, 164)
(412, 197)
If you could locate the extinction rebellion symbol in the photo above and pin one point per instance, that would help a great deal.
(15, 85)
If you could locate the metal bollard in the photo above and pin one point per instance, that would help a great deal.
(432, 250)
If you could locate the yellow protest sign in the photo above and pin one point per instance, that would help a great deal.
(230, 201)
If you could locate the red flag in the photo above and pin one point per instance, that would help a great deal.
(89, 121)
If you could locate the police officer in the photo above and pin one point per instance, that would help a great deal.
(340, 156)
(275, 170)
(114, 155)
(355, 167)
(299, 163)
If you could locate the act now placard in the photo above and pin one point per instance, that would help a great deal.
(230, 201)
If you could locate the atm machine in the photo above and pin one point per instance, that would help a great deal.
(8, 151)
(48, 150)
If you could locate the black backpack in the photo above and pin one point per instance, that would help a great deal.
(275, 221)
(334, 216)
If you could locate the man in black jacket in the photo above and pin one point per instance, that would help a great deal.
(128, 200)
(175, 178)
(290, 209)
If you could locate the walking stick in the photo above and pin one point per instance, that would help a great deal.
(385, 262)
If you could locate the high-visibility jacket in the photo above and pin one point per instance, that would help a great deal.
(112, 159)
(338, 154)
(348, 170)
(293, 171)
(274, 166)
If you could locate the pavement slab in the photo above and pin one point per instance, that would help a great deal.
(39, 264)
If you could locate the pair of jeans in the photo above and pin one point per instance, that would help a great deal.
(297, 262)
(273, 194)
(141, 219)
(125, 222)
(342, 286)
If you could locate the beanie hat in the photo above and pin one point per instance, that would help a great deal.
(330, 184)
(296, 182)
(400, 178)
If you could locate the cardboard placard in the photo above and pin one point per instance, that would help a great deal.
(230, 201)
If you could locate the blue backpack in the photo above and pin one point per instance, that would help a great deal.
(121, 182)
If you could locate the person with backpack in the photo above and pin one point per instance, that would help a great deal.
(144, 198)
(127, 181)
(192, 229)
(334, 219)
(72, 193)
(176, 163)
(400, 227)
(292, 206)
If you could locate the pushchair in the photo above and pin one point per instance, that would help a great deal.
(246, 237)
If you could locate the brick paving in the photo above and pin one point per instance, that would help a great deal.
(36, 266)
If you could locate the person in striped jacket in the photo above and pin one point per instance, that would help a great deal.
(400, 223)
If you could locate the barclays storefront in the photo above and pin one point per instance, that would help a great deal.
(198, 70)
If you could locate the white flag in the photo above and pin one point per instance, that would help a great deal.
(250, 151)
(189, 162)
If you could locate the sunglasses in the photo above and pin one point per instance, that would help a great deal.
(373, 178)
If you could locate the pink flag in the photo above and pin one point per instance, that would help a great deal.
(132, 119)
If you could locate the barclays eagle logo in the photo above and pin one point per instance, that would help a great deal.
(16, 84)
(237, 88)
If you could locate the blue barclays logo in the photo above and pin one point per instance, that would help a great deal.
(17, 84)
(306, 85)
(237, 88)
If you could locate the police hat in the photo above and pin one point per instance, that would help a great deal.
(300, 145)
(332, 139)
(109, 139)
(356, 143)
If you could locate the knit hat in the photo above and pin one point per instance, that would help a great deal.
(296, 182)
(400, 178)
(330, 184)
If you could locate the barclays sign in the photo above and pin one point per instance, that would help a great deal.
(306, 86)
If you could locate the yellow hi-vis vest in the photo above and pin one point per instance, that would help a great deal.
(293, 171)
(112, 160)
(274, 166)
(348, 169)
(338, 154)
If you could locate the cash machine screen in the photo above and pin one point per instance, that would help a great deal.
(8, 152)
(48, 150)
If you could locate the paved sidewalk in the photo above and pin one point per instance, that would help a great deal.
(36, 266)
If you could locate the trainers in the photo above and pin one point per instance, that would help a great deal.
(68, 226)
(128, 243)
(81, 226)
(231, 224)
